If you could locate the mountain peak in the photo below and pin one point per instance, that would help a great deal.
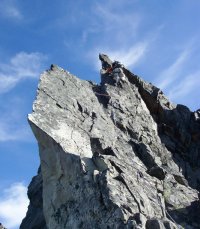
(114, 155)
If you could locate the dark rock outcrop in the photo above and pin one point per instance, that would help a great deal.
(35, 218)
(112, 157)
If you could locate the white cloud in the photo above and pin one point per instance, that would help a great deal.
(179, 84)
(113, 17)
(7, 82)
(13, 205)
(114, 30)
(169, 75)
(129, 57)
(189, 85)
(114, 25)
(23, 65)
(10, 132)
(13, 124)
(9, 9)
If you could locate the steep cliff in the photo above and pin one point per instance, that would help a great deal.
(112, 156)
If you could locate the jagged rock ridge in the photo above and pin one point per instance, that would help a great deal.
(112, 157)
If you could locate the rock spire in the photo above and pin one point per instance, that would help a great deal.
(112, 156)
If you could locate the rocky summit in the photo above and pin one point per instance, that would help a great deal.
(112, 156)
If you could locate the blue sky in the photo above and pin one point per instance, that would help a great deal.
(157, 40)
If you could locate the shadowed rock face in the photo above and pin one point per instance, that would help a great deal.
(35, 218)
(112, 157)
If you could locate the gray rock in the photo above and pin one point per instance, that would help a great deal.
(157, 172)
(105, 61)
(154, 224)
(112, 157)
(197, 115)
(34, 216)
(1, 226)
(160, 224)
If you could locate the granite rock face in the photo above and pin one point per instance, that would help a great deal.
(112, 157)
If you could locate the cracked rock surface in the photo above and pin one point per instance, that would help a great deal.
(112, 157)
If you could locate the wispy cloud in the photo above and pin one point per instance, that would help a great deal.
(128, 56)
(13, 205)
(23, 65)
(9, 9)
(116, 35)
(131, 56)
(8, 132)
(178, 83)
(13, 124)
(170, 74)
(115, 30)
(187, 87)
(110, 17)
